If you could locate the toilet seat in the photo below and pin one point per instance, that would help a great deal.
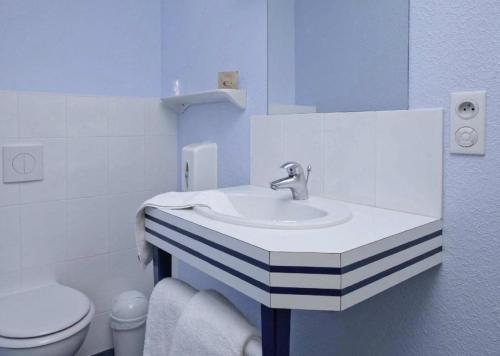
(42, 311)
(42, 316)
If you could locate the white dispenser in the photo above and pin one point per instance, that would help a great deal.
(199, 166)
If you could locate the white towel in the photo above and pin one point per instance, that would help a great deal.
(167, 302)
(212, 199)
(254, 346)
(211, 326)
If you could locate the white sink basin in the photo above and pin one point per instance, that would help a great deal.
(278, 211)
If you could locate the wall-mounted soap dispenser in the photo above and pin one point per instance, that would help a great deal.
(199, 166)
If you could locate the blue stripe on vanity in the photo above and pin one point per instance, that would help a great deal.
(391, 252)
(356, 286)
(295, 290)
(213, 262)
(297, 269)
(390, 271)
(215, 245)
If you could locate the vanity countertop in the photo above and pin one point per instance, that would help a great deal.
(344, 264)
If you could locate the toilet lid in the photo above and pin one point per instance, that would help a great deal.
(42, 311)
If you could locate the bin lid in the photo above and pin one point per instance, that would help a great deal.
(129, 306)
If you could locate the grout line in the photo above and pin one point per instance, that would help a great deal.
(87, 136)
(144, 115)
(111, 195)
(18, 116)
(108, 200)
(66, 165)
(18, 134)
(21, 235)
(323, 157)
(282, 139)
(375, 152)
(66, 180)
(78, 95)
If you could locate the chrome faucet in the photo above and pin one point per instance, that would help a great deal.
(296, 180)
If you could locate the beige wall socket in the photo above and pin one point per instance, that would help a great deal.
(229, 80)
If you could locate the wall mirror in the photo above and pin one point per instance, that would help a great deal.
(337, 55)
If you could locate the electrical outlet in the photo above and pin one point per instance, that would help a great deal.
(468, 123)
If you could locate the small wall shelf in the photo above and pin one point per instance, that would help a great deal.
(237, 97)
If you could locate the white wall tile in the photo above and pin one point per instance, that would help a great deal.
(126, 273)
(122, 210)
(410, 161)
(126, 117)
(43, 231)
(53, 185)
(91, 277)
(38, 276)
(126, 164)
(42, 115)
(350, 157)
(10, 282)
(160, 163)
(160, 120)
(86, 116)
(99, 336)
(10, 240)
(266, 149)
(389, 159)
(69, 222)
(87, 227)
(9, 126)
(9, 192)
(87, 166)
(303, 143)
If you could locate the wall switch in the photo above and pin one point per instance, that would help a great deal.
(229, 80)
(468, 123)
(22, 163)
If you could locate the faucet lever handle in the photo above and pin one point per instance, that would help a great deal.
(292, 168)
(309, 169)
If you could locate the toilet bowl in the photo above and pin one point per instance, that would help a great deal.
(51, 320)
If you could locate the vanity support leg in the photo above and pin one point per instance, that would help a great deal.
(162, 262)
(275, 327)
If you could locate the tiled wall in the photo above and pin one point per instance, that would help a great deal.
(103, 156)
(388, 159)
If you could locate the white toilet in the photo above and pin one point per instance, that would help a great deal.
(51, 320)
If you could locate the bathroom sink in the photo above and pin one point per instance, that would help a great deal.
(308, 254)
(278, 211)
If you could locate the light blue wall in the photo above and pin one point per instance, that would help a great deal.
(106, 47)
(200, 39)
(281, 52)
(352, 55)
(454, 47)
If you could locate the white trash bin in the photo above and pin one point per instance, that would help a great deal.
(128, 322)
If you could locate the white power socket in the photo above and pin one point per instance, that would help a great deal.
(468, 123)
